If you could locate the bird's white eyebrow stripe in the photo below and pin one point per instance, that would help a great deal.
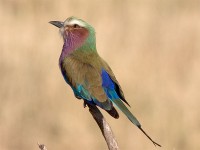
(78, 22)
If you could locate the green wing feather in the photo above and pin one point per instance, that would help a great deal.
(85, 76)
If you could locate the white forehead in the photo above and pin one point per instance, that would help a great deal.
(74, 21)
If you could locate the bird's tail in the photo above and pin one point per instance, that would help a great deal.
(125, 110)
(113, 112)
(131, 117)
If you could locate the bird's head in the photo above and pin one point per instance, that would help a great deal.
(76, 33)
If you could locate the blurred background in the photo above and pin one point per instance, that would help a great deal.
(153, 48)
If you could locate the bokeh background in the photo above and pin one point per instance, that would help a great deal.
(153, 48)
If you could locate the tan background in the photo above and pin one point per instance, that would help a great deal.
(153, 48)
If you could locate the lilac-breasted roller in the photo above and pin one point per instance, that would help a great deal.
(89, 76)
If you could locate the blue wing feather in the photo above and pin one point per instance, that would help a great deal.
(110, 89)
(108, 85)
(107, 81)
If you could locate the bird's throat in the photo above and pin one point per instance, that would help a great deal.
(79, 42)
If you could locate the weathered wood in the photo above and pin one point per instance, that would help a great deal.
(104, 127)
(42, 146)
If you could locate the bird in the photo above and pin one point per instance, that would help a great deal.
(89, 75)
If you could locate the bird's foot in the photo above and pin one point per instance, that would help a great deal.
(84, 104)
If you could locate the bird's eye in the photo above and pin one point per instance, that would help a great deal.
(76, 26)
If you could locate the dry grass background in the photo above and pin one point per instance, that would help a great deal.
(153, 48)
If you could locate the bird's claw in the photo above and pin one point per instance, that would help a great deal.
(84, 104)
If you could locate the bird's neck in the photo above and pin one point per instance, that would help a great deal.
(87, 47)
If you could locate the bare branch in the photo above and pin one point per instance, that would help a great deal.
(104, 127)
(42, 146)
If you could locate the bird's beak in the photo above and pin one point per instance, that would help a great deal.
(58, 24)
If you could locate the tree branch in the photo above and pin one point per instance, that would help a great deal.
(104, 127)
(42, 146)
